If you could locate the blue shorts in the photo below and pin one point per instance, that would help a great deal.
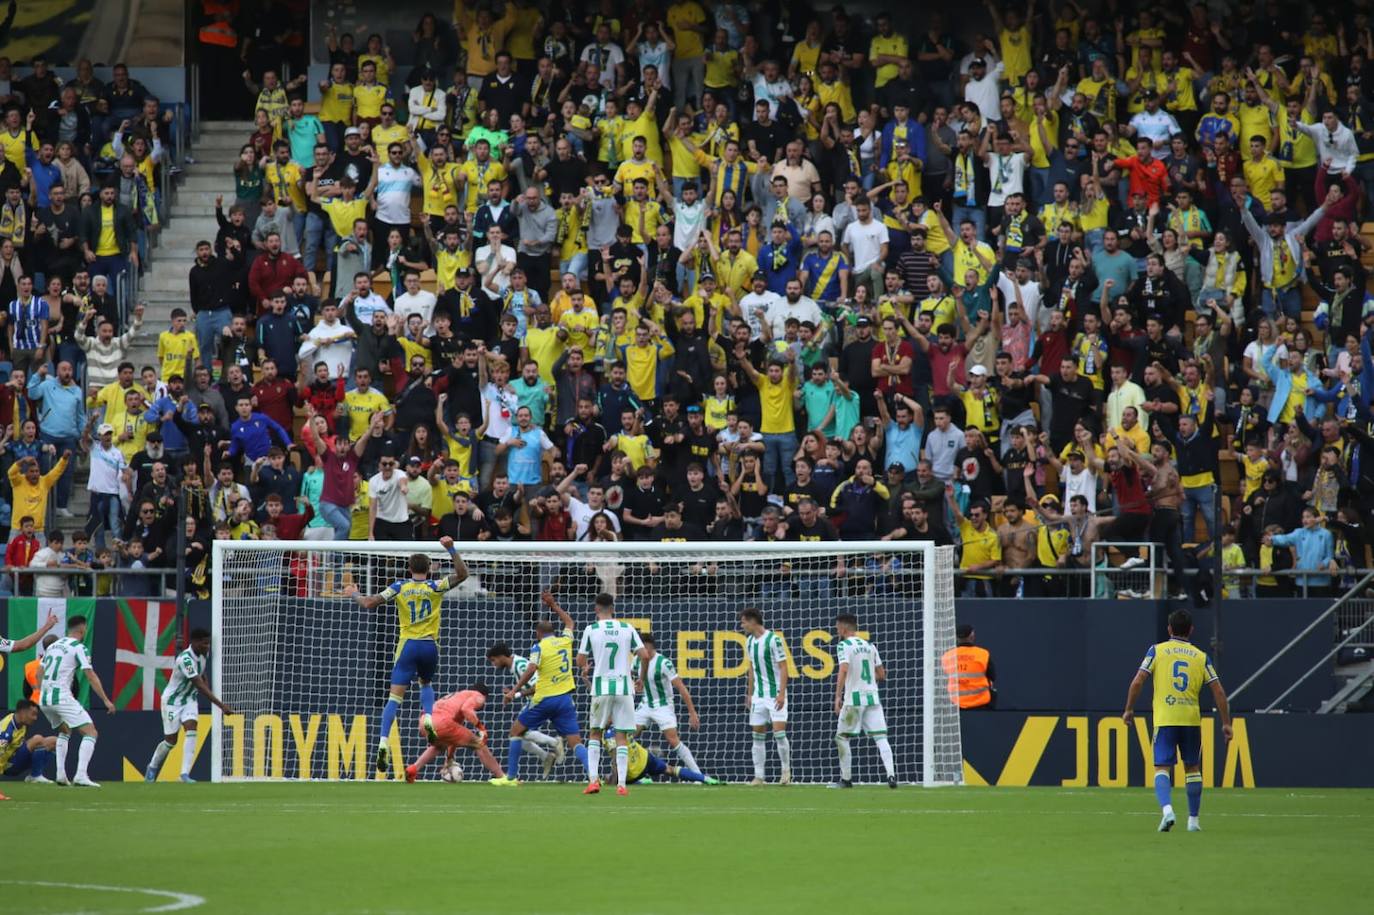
(20, 763)
(417, 660)
(556, 709)
(654, 767)
(1178, 740)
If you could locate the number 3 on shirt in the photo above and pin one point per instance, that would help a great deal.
(567, 661)
(1181, 676)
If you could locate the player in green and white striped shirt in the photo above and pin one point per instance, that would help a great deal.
(659, 678)
(856, 698)
(61, 661)
(611, 643)
(548, 750)
(766, 693)
(181, 705)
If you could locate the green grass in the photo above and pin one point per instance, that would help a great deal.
(301, 848)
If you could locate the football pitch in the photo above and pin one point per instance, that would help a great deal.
(431, 847)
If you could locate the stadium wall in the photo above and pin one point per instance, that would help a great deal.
(1062, 671)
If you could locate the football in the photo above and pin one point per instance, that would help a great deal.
(453, 772)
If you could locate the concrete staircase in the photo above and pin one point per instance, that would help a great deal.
(191, 218)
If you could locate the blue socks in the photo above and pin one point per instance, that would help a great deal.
(513, 757)
(389, 711)
(690, 775)
(1194, 789)
(1163, 788)
(40, 761)
(581, 753)
(427, 699)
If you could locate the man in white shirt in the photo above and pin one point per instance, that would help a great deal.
(395, 181)
(793, 305)
(364, 300)
(331, 341)
(1335, 143)
(108, 470)
(982, 88)
(388, 515)
(494, 262)
(426, 106)
(1154, 122)
(48, 557)
(583, 512)
(865, 239)
(415, 300)
(757, 304)
(770, 85)
(1007, 283)
(606, 56)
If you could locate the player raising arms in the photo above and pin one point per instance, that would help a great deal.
(457, 725)
(551, 660)
(611, 643)
(28, 641)
(181, 708)
(60, 663)
(856, 698)
(660, 677)
(418, 600)
(766, 693)
(645, 764)
(548, 750)
(1184, 669)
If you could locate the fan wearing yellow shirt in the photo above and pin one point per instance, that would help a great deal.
(722, 65)
(735, 267)
(177, 350)
(637, 167)
(831, 89)
(579, 322)
(336, 105)
(641, 122)
(1013, 38)
(1262, 171)
(886, 51)
(361, 403)
(16, 138)
(688, 23)
(1254, 117)
(284, 179)
(481, 37)
(480, 170)
(368, 96)
(1147, 36)
(345, 210)
(441, 183)
(642, 359)
(1180, 670)
(451, 259)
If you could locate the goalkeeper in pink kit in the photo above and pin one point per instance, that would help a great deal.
(456, 725)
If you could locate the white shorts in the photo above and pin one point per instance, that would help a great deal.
(662, 717)
(174, 716)
(861, 718)
(613, 711)
(765, 711)
(67, 711)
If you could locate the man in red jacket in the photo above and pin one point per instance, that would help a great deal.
(275, 396)
(272, 270)
(20, 551)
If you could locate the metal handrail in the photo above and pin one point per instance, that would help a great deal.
(1327, 614)
(1320, 664)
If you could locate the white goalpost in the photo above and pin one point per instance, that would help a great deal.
(307, 670)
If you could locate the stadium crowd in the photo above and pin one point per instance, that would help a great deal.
(724, 271)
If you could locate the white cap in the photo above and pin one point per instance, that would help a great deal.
(978, 370)
(104, 429)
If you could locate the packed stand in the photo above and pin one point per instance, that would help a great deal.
(734, 272)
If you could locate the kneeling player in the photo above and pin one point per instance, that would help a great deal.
(643, 764)
(456, 725)
(19, 753)
(180, 708)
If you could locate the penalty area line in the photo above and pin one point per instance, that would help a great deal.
(175, 901)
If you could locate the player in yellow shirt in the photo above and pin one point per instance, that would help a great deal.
(419, 601)
(552, 660)
(1181, 670)
(177, 350)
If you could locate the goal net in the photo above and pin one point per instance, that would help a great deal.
(307, 669)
